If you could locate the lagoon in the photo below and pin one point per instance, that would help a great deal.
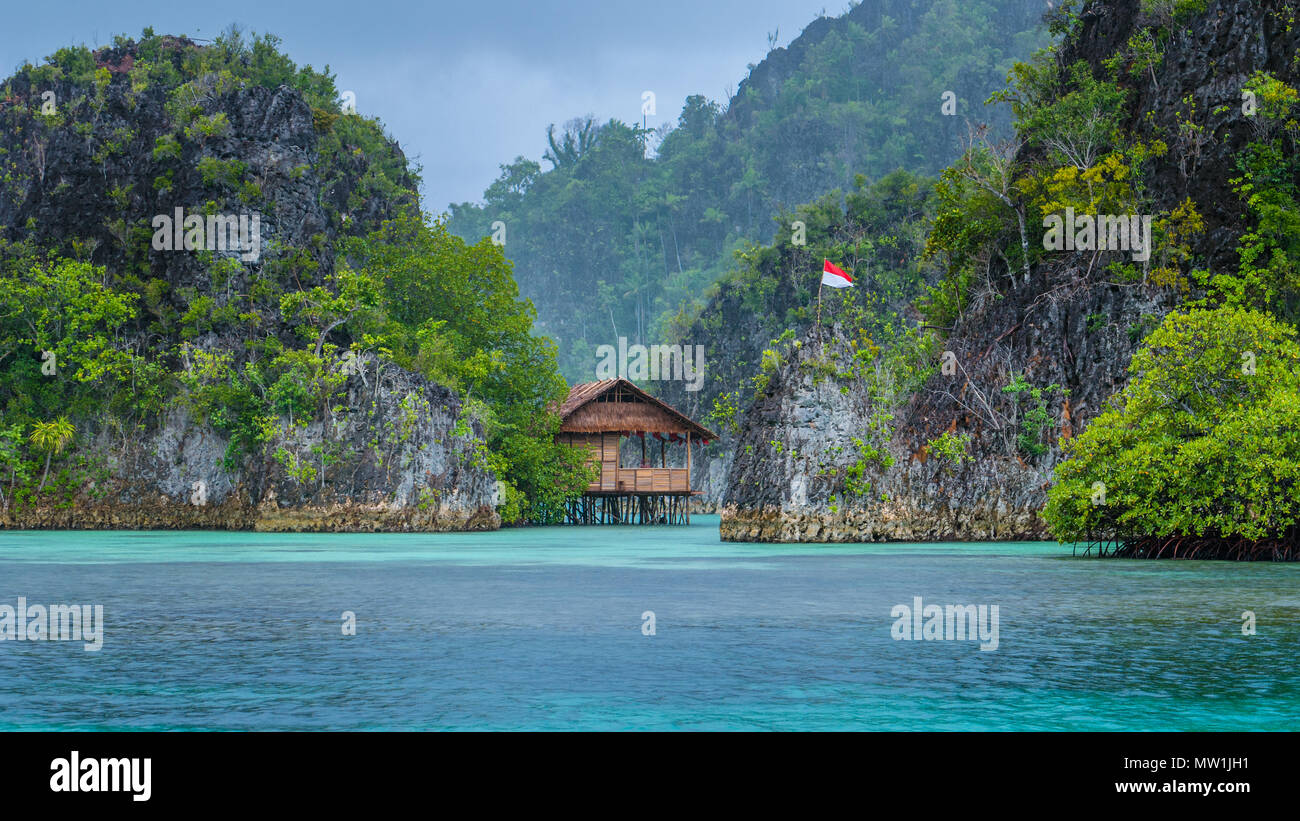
(545, 628)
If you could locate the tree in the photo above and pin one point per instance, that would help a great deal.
(452, 311)
(1203, 443)
(514, 182)
(991, 167)
(579, 135)
(352, 292)
(11, 458)
(59, 315)
(52, 438)
(861, 94)
(1072, 114)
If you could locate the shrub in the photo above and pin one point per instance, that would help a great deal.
(1204, 441)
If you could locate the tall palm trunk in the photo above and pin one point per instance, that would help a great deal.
(46, 474)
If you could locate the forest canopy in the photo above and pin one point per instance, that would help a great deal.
(618, 230)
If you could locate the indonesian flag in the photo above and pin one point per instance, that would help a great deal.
(835, 277)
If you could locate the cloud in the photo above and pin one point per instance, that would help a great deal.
(466, 87)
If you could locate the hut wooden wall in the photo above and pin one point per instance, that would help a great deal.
(602, 448)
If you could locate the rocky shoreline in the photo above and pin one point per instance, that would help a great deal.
(394, 455)
(163, 513)
(881, 523)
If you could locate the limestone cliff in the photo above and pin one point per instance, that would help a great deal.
(1066, 324)
(91, 155)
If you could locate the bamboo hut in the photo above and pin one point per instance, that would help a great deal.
(599, 416)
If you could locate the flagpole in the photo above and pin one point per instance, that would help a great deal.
(819, 313)
(842, 280)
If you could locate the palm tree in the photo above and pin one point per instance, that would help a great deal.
(51, 437)
(580, 134)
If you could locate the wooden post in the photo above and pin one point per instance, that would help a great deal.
(688, 477)
(663, 457)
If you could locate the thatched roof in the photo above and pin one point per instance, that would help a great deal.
(617, 405)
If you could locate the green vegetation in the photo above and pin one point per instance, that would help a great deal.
(452, 312)
(878, 231)
(1268, 276)
(1035, 419)
(724, 416)
(1203, 442)
(868, 341)
(951, 446)
(626, 230)
(90, 350)
(51, 438)
(195, 75)
(1199, 455)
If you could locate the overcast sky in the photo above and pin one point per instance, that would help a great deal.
(466, 86)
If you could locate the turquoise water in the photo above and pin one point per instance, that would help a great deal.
(542, 629)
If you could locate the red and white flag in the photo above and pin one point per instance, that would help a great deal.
(835, 277)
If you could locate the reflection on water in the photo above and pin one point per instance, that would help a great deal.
(542, 628)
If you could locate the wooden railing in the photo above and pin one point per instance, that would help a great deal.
(643, 480)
